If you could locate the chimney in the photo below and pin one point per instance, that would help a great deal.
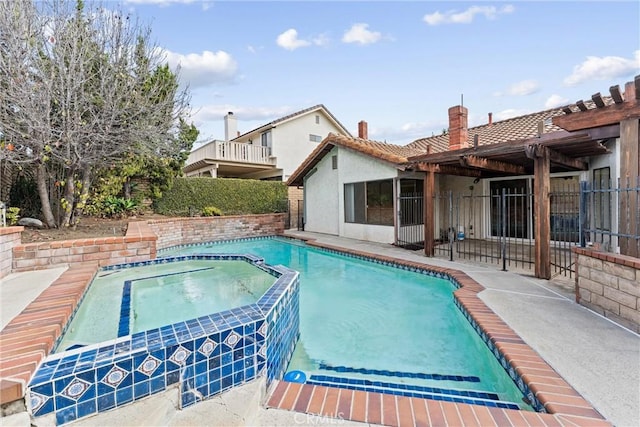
(490, 119)
(458, 131)
(363, 131)
(230, 126)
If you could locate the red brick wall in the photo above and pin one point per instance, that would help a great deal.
(140, 243)
(609, 284)
(179, 231)
(9, 238)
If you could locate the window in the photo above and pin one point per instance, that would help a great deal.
(602, 198)
(315, 138)
(265, 140)
(317, 119)
(334, 162)
(369, 202)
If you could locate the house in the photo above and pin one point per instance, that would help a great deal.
(508, 184)
(269, 152)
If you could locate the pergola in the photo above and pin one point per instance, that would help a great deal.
(560, 151)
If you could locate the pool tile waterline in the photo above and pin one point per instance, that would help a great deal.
(203, 356)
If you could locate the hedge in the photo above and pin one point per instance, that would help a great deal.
(188, 196)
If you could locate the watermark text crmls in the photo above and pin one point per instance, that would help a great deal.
(310, 419)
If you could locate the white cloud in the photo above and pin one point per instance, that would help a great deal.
(509, 113)
(555, 101)
(603, 68)
(213, 112)
(525, 87)
(289, 40)
(360, 33)
(467, 16)
(203, 69)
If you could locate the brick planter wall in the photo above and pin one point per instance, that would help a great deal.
(139, 244)
(9, 238)
(141, 241)
(182, 231)
(609, 284)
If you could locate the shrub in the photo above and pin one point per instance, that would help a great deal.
(231, 196)
(211, 211)
(118, 207)
(13, 215)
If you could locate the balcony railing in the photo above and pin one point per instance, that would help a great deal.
(232, 152)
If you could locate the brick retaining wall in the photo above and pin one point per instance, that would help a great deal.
(140, 243)
(182, 231)
(9, 238)
(609, 284)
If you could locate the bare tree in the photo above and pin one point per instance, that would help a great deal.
(79, 87)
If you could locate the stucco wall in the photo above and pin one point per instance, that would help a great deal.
(291, 144)
(324, 194)
(609, 284)
(322, 214)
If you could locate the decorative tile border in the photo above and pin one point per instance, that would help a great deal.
(204, 356)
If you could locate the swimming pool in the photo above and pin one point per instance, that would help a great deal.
(375, 327)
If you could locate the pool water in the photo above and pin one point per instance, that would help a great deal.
(367, 326)
(159, 295)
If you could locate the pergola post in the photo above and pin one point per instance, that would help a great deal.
(542, 212)
(429, 212)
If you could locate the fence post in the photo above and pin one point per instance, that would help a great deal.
(452, 233)
(503, 217)
(582, 215)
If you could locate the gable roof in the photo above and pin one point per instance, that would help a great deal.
(511, 130)
(292, 116)
(395, 155)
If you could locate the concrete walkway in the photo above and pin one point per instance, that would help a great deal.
(600, 359)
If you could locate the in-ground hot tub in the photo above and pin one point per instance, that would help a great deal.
(130, 350)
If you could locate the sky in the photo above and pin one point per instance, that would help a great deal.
(398, 65)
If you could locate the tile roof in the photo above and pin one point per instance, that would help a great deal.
(292, 115)
(394, 154)
(514, 129)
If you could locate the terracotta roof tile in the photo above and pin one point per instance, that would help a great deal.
(513, 129)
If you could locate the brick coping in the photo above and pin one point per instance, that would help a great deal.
(610, 257)
(30, 336)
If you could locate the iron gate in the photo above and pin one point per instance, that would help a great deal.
(497, 228)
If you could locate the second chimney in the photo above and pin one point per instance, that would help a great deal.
(230, 127)
(490, 118)
(363, 131)
(458, 128)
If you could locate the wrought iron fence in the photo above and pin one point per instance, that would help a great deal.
(610, 215)
(496, 228)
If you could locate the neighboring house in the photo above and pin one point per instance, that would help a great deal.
(516, 180)
(272, 151)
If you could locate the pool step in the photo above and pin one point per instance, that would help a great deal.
(399, 374)
(409, 390)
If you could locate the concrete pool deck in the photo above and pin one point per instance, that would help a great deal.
(600, 359)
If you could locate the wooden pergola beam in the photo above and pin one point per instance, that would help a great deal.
(535, 151)
(616, 94)
(597, 117)
(491, 165)
(447, 169)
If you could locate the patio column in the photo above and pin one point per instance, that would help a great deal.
(429, 212)
(542, 209)
(629, 172)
